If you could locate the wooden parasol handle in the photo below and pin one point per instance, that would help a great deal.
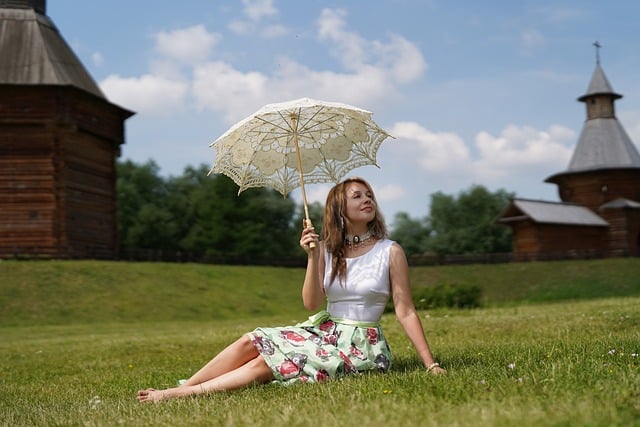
(294, 127)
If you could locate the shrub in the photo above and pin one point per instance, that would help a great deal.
(446, 295)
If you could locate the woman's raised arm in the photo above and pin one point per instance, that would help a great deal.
(312, 290)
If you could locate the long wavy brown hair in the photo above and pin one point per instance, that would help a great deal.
(334, 230)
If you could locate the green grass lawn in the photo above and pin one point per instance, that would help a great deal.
(554, 344)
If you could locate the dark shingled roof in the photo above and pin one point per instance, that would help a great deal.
(599, 85)
(550, 213)
(604, 144)
(32, 50)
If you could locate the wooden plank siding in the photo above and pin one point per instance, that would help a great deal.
(534, 241)
(624, 233)
(547, 241)
(58, 151)
(595, 188)
(591, 189)
(90, 193)
(525, 237)
(27, 187)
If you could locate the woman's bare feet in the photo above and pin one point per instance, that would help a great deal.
(153, 395)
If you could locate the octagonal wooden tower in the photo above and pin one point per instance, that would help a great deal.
(600, 191)
(59, 141)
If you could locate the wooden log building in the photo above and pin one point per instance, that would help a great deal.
(59, 141)
(599, 215)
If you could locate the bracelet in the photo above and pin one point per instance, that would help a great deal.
(433, 365)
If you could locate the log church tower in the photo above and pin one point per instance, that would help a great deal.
(600, 191)
(605, 164)
(59, 141)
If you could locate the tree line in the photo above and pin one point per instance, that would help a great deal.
(200, 213)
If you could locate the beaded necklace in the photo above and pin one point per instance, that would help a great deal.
(357, 241)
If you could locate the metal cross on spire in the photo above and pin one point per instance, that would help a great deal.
(598, 46)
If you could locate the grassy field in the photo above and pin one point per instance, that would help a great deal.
(554, 344)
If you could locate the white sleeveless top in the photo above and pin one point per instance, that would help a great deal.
(367, 288)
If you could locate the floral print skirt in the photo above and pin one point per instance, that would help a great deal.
(321, 349)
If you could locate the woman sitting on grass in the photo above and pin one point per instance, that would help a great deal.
(354, 269)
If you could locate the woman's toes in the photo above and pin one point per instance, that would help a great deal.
(145, 394)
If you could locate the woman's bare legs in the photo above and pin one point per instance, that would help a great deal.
(232, 357)
(236, 366)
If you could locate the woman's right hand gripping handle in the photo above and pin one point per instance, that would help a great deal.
(309, 238)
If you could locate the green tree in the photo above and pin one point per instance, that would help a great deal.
(191, 196)
(200, 213)
(143, 219)
(466, 224)
(216, 220)
(411, 234)
(316, 215)
(263, 225)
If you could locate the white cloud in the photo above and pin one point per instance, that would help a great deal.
(297, 80)
(167, 69)
(400, 59)
(147, 94)
(372, 73)
(435, 151)
(348, 47)
(188, 45)
(521, 154)
(219, 87)
(519, 149)
(403, 58)
(257, 9)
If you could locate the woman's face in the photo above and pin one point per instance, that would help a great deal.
(360, 206)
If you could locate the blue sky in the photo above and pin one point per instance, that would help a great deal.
(474, 92)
